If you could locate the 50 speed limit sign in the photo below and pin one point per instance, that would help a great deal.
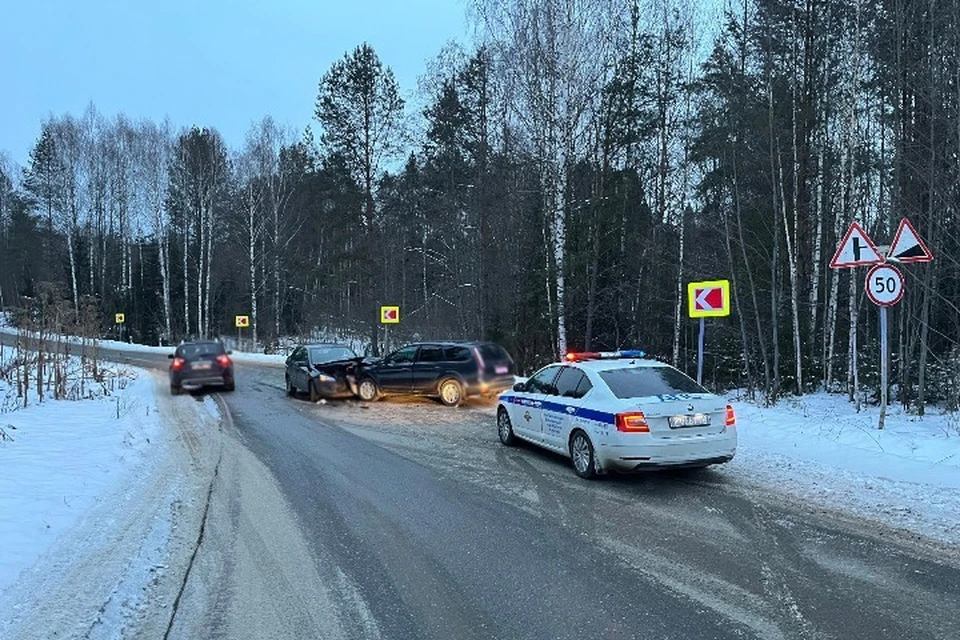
(884, 285)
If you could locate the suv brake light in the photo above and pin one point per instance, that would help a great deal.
(731, 416)
(224, 359)
(178, 364)
(632, 422)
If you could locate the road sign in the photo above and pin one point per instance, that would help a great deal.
(907, 245)
(884, 285)
(856, 249)
(119, 318)
(710, 299)
(389, 315)
(241, 322)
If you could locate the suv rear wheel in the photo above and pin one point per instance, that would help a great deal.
(451, 392)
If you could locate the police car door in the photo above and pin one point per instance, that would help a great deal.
(560, 408)
(526, 416)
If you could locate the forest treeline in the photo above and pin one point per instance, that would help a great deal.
(557, 188)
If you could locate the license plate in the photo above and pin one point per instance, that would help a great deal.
(694, 420)
(501, 370)
(200, 365)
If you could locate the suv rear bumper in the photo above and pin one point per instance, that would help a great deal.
(491, 386)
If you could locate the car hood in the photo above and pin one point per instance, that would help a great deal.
(339, 365)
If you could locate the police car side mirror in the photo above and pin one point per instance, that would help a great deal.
(520, 386)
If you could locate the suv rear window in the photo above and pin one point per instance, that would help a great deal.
(641, 382)
(493, 353)
(458, 354)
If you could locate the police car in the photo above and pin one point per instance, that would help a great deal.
(617, 411)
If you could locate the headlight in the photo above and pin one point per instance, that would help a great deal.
(325, 378)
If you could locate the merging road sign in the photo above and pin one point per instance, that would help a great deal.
(709, 299)
(856, 249)
(389, 314)
(242, 322)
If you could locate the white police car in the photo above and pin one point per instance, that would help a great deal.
(616, 411)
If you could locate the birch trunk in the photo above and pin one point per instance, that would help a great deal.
(794, 286)
(252, 258)
(186, 280)
(202, 246)
(853, 373)
(209, 269)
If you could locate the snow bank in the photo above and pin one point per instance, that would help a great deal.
(61, 457)
(818, 448)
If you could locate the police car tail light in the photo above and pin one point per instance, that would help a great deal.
(632, 422)
(731, 416)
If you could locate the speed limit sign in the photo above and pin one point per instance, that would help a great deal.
(884, 285)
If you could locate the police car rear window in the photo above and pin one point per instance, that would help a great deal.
(640, 382)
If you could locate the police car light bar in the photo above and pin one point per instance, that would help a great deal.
(603, 355)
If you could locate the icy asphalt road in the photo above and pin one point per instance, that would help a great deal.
(405, 519)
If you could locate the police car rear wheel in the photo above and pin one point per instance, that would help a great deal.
(504, 428)
(581, 452)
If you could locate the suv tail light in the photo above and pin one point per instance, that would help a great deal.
(178, 364)
(731, 416)
(632, 422)
(224, 360)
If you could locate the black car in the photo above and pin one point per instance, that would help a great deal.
(450, 371)
(322, 371)
(203, 363)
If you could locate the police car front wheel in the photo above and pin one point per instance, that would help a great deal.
(581, 453)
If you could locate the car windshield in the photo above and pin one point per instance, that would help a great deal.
(320, 355)
(641, 382)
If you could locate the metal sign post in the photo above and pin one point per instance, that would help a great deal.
(700, 354)
(709, 299)
(884, 288)
(884, 283)
(883, 367)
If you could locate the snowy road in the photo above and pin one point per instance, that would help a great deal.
(405, 519)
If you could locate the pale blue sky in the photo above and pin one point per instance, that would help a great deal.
(207, 62)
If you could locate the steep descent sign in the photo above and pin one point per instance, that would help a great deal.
(389, 314)
(710, 299)
(856, 249)
(907, 245)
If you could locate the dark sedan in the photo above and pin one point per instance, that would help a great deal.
(450, 371)
(322, 371)
(204, 363)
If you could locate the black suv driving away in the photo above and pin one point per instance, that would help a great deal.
(198, 364)
(450, 371)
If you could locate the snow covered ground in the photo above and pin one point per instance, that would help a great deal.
(88, 502)
(818, 448)
(70, 469)
(60, 457)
